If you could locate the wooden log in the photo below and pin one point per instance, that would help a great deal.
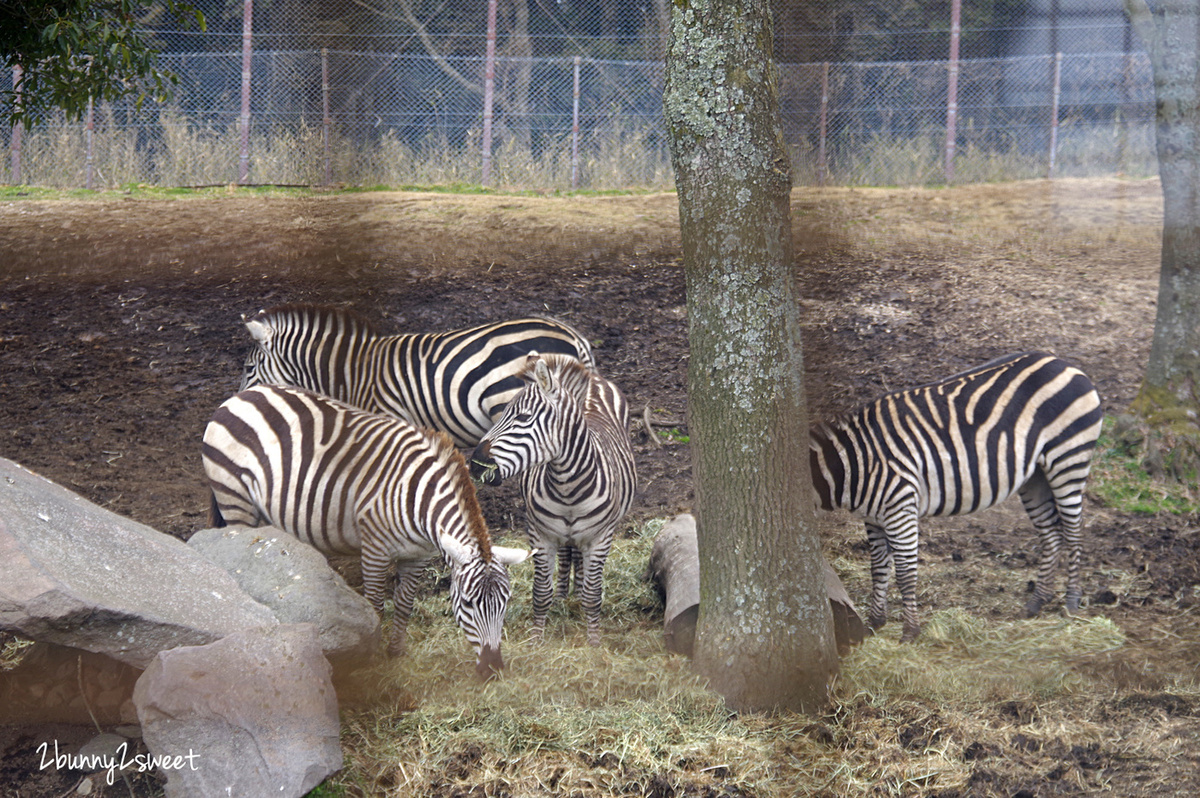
(674, 569)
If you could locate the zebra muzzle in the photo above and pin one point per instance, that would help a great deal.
(483, 467)
(489, 663)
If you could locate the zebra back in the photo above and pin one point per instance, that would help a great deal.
(961, 444)
(456, 381)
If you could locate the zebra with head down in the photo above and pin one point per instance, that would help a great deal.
(1024, 423)
(345, 481)
(566, 433)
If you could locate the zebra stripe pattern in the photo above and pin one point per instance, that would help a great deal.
(1024, 423)
(344, 481)
(457, 381)
(567, 434)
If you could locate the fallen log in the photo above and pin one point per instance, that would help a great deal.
(674, 569)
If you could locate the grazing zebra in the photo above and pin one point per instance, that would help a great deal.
(567, 434)
(345, 480)
(1024, 423)
(457, 381)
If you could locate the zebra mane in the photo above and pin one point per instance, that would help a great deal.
(464, 489)
(294, 312)
(574, 376)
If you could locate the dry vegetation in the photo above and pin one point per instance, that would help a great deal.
(119, 335)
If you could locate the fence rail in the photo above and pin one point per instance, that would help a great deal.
(367, 117)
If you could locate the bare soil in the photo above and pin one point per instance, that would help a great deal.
(120, 333)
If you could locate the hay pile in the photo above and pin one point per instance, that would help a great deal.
(972, 703)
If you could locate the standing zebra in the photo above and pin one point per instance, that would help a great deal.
(457, 381)
(566, 433)
(345, 480)
(1024, 423)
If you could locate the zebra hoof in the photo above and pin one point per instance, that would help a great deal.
(910, 634)
(1033, 607)
(1073, 599)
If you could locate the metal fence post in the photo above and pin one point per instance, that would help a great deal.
(14, 143)
(489, 80)
(822, 168)
(90, 135)
(1054, 112)
(952, 89)
(244, 152)
(325, 120)
(575, 128)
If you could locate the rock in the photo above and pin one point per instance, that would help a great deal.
(675, 569)
(296, 582)
(76, 574)
(252, 714)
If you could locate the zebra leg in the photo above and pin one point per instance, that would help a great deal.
(545, 554)
(408, 581)
(1040, 506)
(1068, 498)
(881, 566)
(568, 560)
(591, 591)
(901, 535)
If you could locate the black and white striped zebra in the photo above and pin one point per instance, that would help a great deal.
(1024, 423)
(456, 381)
(346, 481)
(567, 434)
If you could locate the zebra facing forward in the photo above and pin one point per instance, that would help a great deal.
(457, 381)
(346, 481)
(1024, 423)
(567, 434)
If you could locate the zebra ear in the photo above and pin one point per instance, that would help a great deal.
(545, 380)
(508, 556)
(258, 331)
(456, 553)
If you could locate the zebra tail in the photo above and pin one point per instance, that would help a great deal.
(214, 511)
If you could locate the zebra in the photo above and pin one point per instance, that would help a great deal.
(566, 433)
(1024, 423)
(457, 381)
(348, 481)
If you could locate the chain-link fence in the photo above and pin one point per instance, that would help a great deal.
(351, 96)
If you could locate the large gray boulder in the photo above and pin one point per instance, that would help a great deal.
(78, 575)
(254, 714)
(296, 582)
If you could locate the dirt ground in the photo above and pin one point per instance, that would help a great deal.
(120, 334)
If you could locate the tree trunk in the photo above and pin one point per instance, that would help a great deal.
(1169, 399)
(674, 569)
(765, 634)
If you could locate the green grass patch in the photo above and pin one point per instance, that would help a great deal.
(1119, 478)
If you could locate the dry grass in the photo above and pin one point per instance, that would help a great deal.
(628, 718)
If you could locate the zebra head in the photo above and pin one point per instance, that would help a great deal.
(263, 366)
(530, 432)
(479, 593)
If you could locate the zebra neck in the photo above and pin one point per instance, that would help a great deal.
(578, 459)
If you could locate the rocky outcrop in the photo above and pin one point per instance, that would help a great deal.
(252, 714)
(78, 575)
(296, 582)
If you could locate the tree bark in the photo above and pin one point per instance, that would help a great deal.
(765, 634)
(1169, 399)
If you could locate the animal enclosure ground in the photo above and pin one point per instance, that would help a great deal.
(120, 334)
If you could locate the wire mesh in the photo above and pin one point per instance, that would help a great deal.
(347, 95)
